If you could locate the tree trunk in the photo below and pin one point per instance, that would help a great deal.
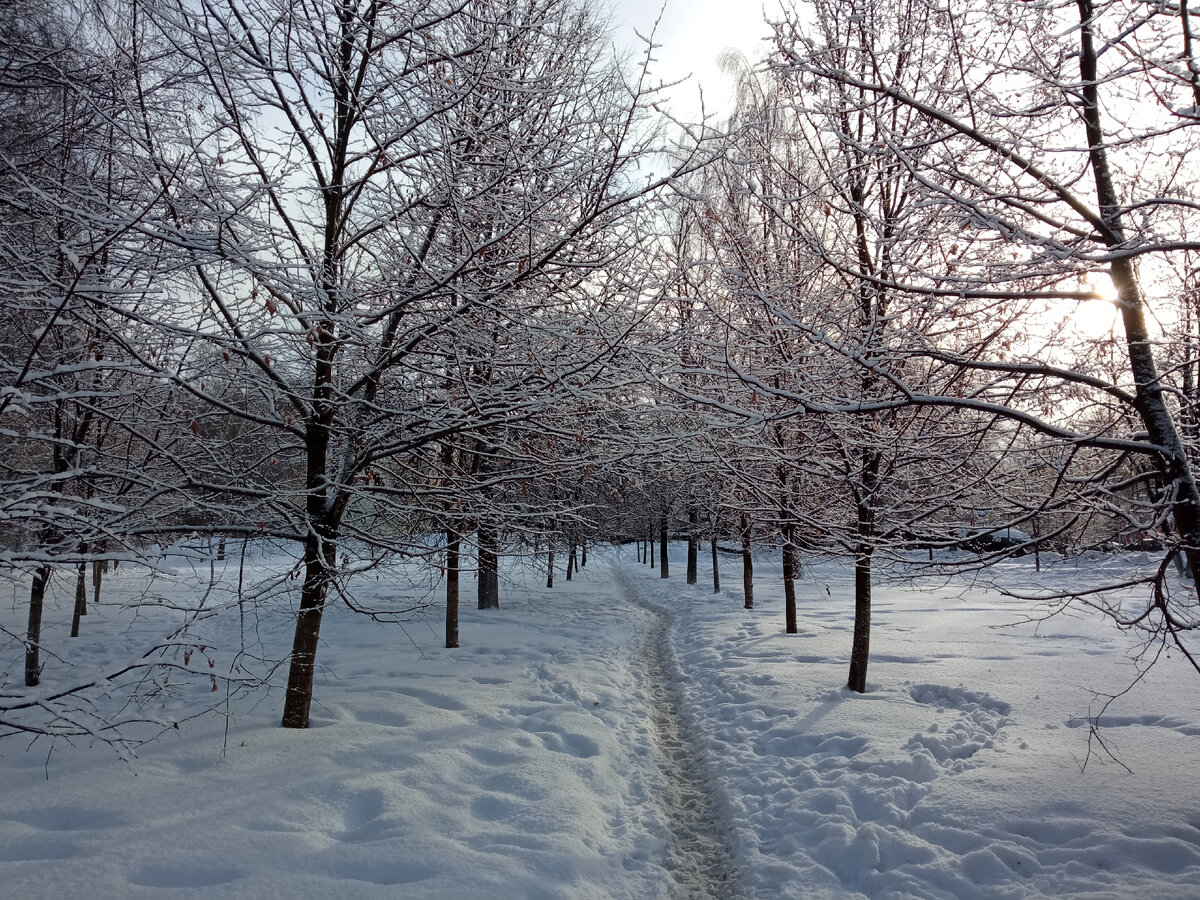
(99, 567)
(318, 560)
(320, 543)
(80, 595)
(453, 542)
(789, 579)
(664, 567)
(489, 574)
(81, 588)
(571, 564)
(33, 636)
(747, 564)
(860, 648)
(221, 549)
(716, 568)
(650, 544)
(693, 550)
(583, 553)
(550, 566)
(1150, 401)
(63, 458)
(639, 552)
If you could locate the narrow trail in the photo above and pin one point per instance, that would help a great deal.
(701, 857)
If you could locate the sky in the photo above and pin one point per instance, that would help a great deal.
(693, 35)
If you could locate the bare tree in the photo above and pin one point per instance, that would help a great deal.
(377, 202)
(1009, 173)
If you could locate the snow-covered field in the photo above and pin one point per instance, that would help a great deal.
(565, 751)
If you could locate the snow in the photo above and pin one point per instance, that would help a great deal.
(530, 762)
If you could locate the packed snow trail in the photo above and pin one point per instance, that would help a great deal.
(701, 858)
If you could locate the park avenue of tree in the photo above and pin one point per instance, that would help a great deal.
(445, 282)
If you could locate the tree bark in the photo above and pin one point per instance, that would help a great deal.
(317, 574)
(664, 570)
(747, 565)
(453, 544)
(860, 648)
(80, 595)
(789, 579)
(99, 567)
(716, 568)
(693, 549)
(489, 574)
(33, 634)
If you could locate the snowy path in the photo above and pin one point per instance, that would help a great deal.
(701, 858)
(619, 737)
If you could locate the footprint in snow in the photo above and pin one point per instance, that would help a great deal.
(388, 718)
(578, 745)
(432, 698)
(980, 718)
(383, 871)
(182, 874)
(1180, 726)
(37, 848)
(69, 818)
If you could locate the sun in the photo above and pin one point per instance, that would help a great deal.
(1097, 318)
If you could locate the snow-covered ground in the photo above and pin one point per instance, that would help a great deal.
(565, 751)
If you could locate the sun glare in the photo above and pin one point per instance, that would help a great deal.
(1097, 318)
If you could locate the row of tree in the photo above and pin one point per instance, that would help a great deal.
(876, 276)
(352, 273)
